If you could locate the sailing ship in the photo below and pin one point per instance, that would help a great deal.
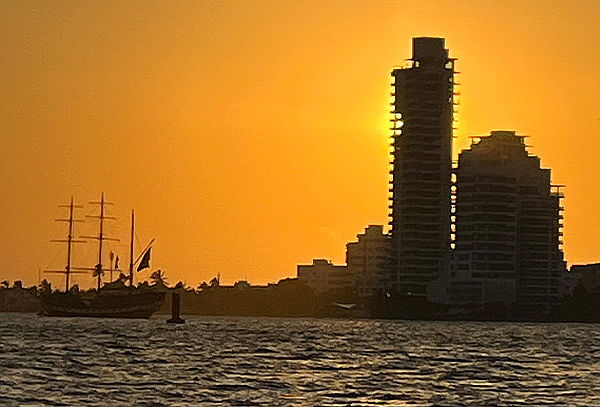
(115, 299)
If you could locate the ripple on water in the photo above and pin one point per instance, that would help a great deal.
(296, 362)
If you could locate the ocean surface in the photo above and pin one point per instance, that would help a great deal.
(212, 361)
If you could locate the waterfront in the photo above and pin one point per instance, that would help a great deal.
(300, 362)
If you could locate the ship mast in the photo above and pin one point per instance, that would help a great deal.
(98, 270)
(69, 241)
(131, 249)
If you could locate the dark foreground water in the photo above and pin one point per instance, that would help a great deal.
(296, 362)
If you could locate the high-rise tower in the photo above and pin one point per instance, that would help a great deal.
(422, 166)
(508, 225)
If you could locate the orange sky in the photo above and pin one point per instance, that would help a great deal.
(251, 136)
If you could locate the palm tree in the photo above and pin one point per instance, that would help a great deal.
(45, 287)
(158, 277)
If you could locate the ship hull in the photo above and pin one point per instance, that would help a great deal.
(103, 305)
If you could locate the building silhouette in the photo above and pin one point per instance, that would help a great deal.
(480, 240)
(365, 273)
(422, 115)
(368, 261)
(587, 276)
(508, 228)
(323, 276)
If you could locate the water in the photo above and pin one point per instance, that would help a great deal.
(214, 361)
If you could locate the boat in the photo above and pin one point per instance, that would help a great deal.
(121, 303)
(116, 299)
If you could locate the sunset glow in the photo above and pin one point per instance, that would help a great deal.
(253, 136)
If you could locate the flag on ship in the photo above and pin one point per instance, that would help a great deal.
(145, 262)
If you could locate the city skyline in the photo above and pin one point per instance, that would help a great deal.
(219, 187)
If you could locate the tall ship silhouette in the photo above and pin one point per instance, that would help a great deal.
(116, 299)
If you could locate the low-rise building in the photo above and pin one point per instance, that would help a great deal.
(368, 259)
(586, 276)
(366, 272)
(322, 275)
